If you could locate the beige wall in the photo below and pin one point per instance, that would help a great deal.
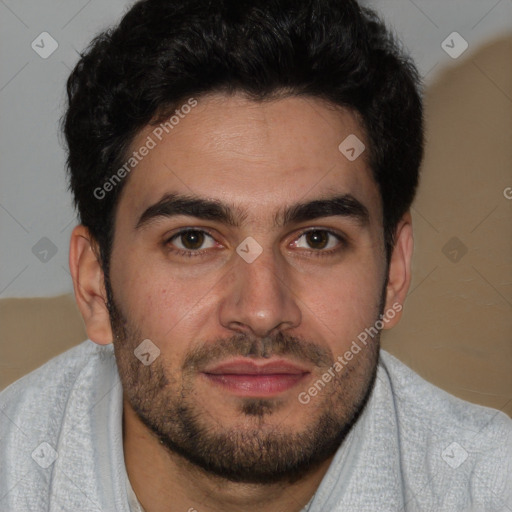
(35, 330)
(457, 325)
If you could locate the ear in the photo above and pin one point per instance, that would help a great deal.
(89, 285)
(399, 273)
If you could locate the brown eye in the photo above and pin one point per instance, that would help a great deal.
(191, 240)
(318, 240)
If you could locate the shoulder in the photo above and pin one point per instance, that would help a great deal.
(34, 408)
(44, 391)
(51, 384)
(459, 441)
(437, 409)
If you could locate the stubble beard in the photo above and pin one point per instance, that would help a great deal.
(260, 452)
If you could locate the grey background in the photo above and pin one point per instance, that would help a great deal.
(36, 214)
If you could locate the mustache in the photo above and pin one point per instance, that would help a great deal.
(245, 345)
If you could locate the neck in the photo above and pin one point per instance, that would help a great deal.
(165, 482)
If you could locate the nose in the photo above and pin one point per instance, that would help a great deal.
(258, 297)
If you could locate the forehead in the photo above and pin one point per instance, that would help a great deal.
(259, 155)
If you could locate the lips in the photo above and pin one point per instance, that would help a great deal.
(256, 378)
(256, 368)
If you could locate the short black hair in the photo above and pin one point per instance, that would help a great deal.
(165, 51)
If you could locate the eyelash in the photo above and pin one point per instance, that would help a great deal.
(199, 253)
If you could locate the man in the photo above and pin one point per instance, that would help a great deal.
(243, 172)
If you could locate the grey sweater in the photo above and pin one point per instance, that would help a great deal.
(414, 448)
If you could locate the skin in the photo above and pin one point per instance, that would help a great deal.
(258, 157)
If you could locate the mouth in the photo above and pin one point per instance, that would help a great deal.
(256, 378)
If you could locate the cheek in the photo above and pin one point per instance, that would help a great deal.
(163, 302)
(343, 304)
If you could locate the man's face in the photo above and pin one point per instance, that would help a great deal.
(241, 333)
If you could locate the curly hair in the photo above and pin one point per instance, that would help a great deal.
(164, 51)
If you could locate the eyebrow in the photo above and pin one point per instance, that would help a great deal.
(171, 205)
